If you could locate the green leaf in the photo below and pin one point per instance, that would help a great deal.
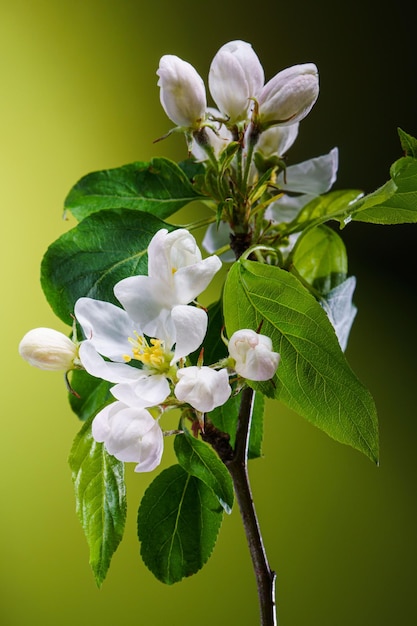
(178, 523)
(225, 419)
(396, 201)
(313, 376)
(199, 460)
(330, 206)
(408, 143)
(100, 498)
(93, 394)
(92, 257)
(160, 187)
(320, 258)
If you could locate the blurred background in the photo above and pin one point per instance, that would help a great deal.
(78, 94)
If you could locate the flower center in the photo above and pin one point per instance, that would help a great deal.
(151, 354)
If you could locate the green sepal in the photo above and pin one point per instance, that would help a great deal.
(100, 497)
(160, 187)
(199, 460)
(92, 257)
(89, 394)
(179, 519)
(313, 377)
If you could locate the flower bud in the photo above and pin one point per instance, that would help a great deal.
(253, 355)
(277, 140)
(182, 94)
(203, 387)
(235, 76)
(48, 349)
(289, 96)
(130, 434)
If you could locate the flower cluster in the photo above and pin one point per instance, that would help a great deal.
(142, 348)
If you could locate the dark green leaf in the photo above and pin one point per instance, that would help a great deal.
(92, 394)
(178, 523)
(100, 499)
(199, 460)
(320, 258)
(225, 419)
(313, 376)
(160, 187)
(396, 201)
(92, 257)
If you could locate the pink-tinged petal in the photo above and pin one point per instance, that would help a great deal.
(106, 326)
(190, 324)
(149, 390)
(107, 370)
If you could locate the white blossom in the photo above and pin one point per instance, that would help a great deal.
(202, 387)
(277, 140)
(182, 92)
(160, 302)
(49, 349)
(236, 75)
(111, 333)
(253, 355)
(130, 434)
(289, 96)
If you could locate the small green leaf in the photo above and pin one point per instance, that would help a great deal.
(320, 258)
(225, 419)
(100, 498)
(199, 460)
(408, 143)
(160, 187)
(313, 376)
(93, 394)
(92, 257)
(178, 522)
(396, 201)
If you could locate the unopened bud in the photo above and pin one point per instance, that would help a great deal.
(253, 355)
(48, 349)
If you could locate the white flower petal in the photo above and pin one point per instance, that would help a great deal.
(106, 326)
(235, 76)
(190, 328)
(192, 280)
(314, 176)
(289, 96)
(107, 370)
(129, 434)
(148, 390)
(182, 93)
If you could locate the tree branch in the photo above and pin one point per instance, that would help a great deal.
(237, 466)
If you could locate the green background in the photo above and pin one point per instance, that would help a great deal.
(78, 93)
